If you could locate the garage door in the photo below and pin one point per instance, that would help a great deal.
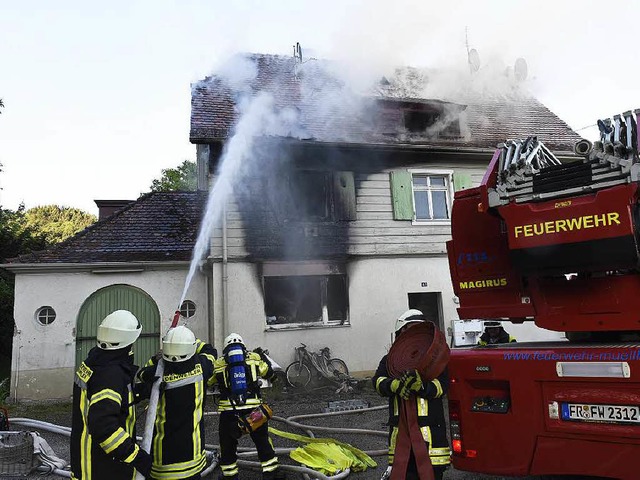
(119, 297)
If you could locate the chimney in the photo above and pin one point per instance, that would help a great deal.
(106, 208)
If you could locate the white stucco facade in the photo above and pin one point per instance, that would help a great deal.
(377, 290)
(43, 356)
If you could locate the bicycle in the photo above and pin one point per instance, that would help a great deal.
(299, 373)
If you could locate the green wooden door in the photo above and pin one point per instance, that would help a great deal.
(118, 297)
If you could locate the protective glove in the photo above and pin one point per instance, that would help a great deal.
(148, 374)
(142, 463)
(263, 355)
(415, 385)
(411, 383)
(398, 386)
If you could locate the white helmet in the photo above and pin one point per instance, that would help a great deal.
(178, 344)
(118, 330)
(410, 316)
(233, 338)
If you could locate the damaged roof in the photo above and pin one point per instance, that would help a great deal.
(328, 113)
(159, 226)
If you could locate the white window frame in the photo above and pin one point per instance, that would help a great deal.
(49, 318)
(449, 197)
(187, 308)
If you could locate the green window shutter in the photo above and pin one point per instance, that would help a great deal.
(344, 195)
(461, 181)
(401, 193)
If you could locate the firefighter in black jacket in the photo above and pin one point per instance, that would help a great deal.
(237, 373)
(178, 436)
(429, 402)
(103, 417)
(494, 333)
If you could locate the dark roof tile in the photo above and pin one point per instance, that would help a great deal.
(158, 226)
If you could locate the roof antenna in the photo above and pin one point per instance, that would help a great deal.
(473, 58)
(297, 57)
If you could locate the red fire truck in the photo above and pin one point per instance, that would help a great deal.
(557, 243)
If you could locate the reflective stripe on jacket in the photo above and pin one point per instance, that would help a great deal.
(178, 437)
(257, 368)
(103, 417)
(430, 413)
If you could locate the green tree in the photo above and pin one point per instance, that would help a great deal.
(182, 178)
(23, 231)
(16, 238)
(56, 224)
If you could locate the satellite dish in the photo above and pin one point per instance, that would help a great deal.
(474, 60)
(520, 69)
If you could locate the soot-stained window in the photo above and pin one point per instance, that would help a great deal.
(310, 196)
(306, 300)
(418, 122)
(433, 123)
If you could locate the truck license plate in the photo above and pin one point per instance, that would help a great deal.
(586, 412)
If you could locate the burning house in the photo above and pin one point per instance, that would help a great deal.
(334, 220)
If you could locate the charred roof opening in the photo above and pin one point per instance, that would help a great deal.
(416, 121)
(419, 118)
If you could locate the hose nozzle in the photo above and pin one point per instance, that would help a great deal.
(176, 317)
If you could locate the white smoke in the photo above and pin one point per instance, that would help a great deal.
(258, 118)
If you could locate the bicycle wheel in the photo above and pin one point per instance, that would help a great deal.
(338, 368)
(298, 375)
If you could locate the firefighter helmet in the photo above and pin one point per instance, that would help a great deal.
(410, 316)
(233, 338)
(119, 329)
(178, 344)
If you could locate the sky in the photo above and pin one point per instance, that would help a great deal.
(97, 94)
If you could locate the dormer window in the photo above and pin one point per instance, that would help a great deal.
(418, 121)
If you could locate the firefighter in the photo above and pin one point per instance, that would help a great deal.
(103, 416)
(494, 333)
(429, 402)
(237, 373)
(178, 435)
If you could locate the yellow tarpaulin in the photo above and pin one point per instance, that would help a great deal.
(327, 455)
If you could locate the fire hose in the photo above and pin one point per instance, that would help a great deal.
(245, 451)
(153, 402)
(422, 347)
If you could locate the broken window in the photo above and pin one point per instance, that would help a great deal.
(305, 300)
(310, 196)
(418, 121)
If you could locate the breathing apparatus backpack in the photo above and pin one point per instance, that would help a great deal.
(235, 356)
